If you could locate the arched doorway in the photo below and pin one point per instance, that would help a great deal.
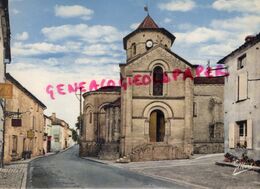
(157, 126)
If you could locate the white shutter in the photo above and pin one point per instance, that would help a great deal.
(243, 86)
(231, 135)
(237, 89)
(249, 138)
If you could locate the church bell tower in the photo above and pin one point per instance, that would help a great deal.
(147, 35)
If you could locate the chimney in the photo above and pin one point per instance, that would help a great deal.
(249, 38)
(53, 116)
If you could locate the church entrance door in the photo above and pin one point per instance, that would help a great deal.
(157, 126)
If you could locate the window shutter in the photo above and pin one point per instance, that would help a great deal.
(249, 138)
(243, 86)
(231, 135)
(237, 89)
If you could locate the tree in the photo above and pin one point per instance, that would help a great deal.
(75, 135)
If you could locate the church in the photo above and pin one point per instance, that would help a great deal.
(159, 120)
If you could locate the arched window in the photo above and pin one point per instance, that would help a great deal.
(90, 117)
(134, 49)
(157, 81)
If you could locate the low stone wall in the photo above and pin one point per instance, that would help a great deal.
(90, 149)
(208, 147)
(109, 151)
(157, 151)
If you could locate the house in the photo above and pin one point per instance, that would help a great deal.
(47, 134)
(24, 123)
(59, 131)
(242, 98)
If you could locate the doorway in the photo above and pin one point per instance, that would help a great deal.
(157, 126)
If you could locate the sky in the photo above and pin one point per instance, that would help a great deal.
(66, 41)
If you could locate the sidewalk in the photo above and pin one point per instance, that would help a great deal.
(14, 175)
(200, 171)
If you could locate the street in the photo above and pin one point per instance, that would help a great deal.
(66, 169)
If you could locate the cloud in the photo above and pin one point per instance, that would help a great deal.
(97, 60)
(22, 36)
(20, 49)
(241, 23)
(167, 20)
(252, 6)
(101, 49)
(48, 73)
(200, 35)
(134, 26)
(91, 34)
(218, 49)
(73, 11)
(178, 5)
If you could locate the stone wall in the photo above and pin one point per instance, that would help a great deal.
(208, 147)
(157, 151)
(208, 118)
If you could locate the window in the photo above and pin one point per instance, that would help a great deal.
(158, 81)
(241, 62)
(241, 136)
(242, 128)
(242, 86)
(14, 148)
(90, 117)
(134, 49)
(194, 109)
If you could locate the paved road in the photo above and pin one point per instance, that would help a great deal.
(66, 169)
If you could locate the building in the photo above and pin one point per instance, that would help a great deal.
(60, 133)
(5, 57)
(242, 98)
(24, 123)
(47, 134)
(160, 111)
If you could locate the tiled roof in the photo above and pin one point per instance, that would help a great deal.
(209, 80)
(148, 23)
(248, 43)
(21, 87)
(109, 89)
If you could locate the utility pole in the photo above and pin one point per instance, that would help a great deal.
(80, 111)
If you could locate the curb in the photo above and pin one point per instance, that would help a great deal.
(225, 164)
(95, 160)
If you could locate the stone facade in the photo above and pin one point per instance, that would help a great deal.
(5, 57)
(154, 119)
(242, 98)
(17, 139)
(98, 123)
(47, 134)
(208, 126)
